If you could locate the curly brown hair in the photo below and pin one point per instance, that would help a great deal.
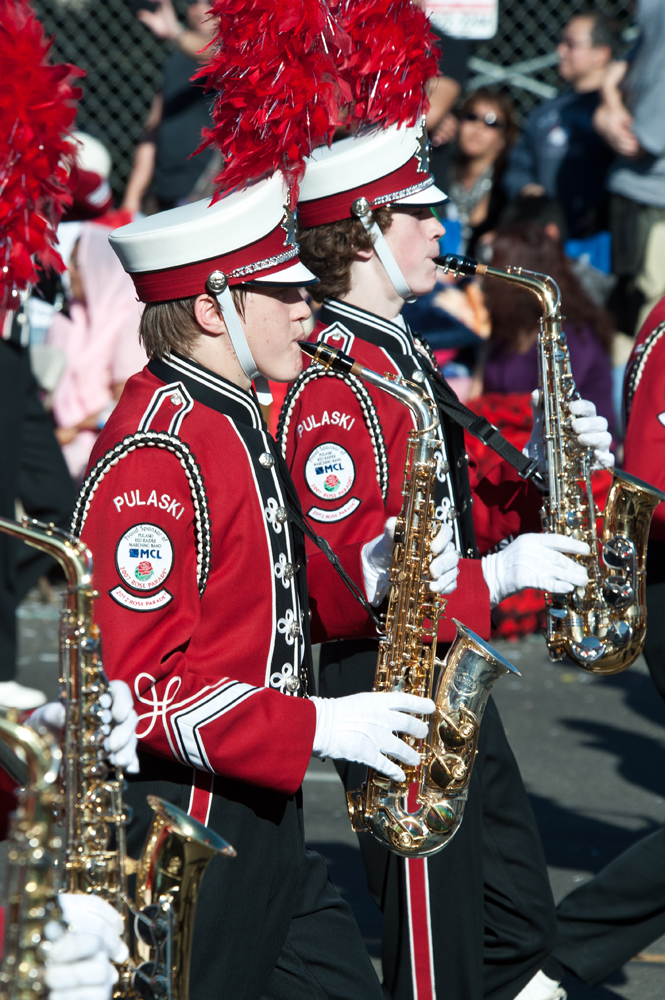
(329, 250)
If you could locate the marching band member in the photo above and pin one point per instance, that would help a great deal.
(204, 602)
(477, 919)
(621, 911)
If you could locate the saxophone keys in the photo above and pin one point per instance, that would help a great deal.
(447, 770)
(457, 728)
(440, 818)
(620, 634)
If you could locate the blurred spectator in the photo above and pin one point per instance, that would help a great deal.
(91, 198)
(487, 130)
(179, 111)
(99, 338)
(511, 364)
(559, 153)
(442, 124)
(632, 121)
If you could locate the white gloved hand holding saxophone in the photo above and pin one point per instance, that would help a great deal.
(377, 560)
(119, 719)
(590, 429)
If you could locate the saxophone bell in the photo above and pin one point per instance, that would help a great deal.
(420, 817)
(176, 854)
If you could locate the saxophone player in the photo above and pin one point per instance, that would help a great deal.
(450, 923)
(204, 599)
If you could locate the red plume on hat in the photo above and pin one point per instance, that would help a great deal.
(37, 111)
(393, 56)
(275, 69)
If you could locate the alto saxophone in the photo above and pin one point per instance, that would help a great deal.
(31, 883)
(94, 857)
(600, 627)
(419, 816)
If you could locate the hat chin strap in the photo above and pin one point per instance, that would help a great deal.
(362, 209)
(217, 285)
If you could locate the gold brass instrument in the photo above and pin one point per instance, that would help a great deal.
(419, 816)
(31, 885)
(600, 627)
(94, 856)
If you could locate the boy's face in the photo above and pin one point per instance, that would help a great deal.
(273, 328)
(413, 236)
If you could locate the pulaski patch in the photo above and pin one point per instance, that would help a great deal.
(329, 471)
(144, 557)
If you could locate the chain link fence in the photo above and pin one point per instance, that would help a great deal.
(123, 61)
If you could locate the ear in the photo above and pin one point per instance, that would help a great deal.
(364, 254)
(209, 315)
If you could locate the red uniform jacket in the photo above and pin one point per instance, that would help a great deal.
(184, 510)
(345, 444)
(644, 402)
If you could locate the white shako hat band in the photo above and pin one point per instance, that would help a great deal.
(247, 236)
(355, 175)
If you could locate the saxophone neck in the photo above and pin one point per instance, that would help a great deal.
(411, 395)
(541, 285)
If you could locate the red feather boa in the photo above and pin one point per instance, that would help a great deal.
(393, 56)
(274, 67)
(37, 111)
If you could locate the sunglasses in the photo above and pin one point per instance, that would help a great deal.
(490, 119)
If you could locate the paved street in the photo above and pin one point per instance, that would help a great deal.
(592, 752)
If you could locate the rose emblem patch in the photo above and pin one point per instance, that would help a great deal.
(329, 471)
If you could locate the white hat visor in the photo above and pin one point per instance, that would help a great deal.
(431, 195)
(296, 274)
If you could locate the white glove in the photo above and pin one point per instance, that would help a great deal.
(377, 559)
(592, 432)
(590, 429)
(51, 716)
(121, 741)
(535, 561)
(444, 569)
(361, 727)
(119, 723)
(79, 960)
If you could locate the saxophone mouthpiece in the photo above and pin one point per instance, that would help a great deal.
(457, 264)
(331, 359)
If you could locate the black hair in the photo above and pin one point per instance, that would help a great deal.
(604, 31)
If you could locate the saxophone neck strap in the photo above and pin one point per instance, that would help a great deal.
(481, 428)
(298, 518)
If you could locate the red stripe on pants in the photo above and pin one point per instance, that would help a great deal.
(200, 800)
(422, 967)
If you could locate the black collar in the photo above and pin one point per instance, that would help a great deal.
(396, 339)
(210, 389)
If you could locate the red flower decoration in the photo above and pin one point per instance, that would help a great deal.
(274, 67)
(37, 112)
(393, 56)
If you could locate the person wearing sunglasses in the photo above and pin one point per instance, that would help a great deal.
(487, 130)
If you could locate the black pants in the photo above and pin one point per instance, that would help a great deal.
(490, 912)
(622, 910)
(34, 471)
(268, 923)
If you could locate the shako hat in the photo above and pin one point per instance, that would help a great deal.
(246, 236)
(388, 167)
(392, 58)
